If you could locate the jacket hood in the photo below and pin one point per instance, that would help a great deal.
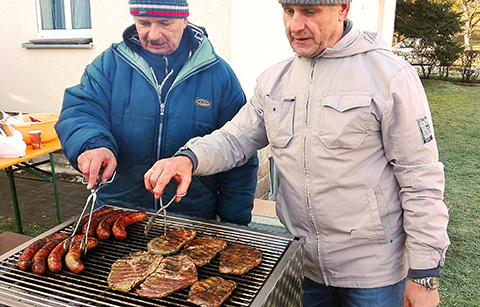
(354, 42)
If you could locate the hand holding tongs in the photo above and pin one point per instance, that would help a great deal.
(92, 198)
(164, 208)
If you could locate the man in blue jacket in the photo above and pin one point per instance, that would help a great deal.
(143, 98)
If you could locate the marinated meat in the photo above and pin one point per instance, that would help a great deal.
(238, 259)
(203, 249)
(211, 292)
(171, 242)
(173, 273)
(129, 271)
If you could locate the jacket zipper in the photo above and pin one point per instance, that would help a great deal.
(306, 165)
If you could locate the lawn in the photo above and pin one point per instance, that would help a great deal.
(456, 117)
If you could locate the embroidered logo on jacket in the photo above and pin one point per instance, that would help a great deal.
(425, 130)
(203, 103)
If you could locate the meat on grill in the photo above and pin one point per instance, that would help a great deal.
(211, 292)
(130, 271)
(203, 249)
(173, 273)
(238, 259)
(171, 242)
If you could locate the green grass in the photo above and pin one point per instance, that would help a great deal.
(29, 229)
(456, 116)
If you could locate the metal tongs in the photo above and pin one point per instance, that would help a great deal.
(91, 199)
(163, 208)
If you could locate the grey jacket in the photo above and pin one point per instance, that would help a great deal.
(352, 137)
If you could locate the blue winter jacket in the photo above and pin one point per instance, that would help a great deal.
(117, 105)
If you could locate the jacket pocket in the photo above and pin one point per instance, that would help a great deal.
(279, 120)
(345, 120)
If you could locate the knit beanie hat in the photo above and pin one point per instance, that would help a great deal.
(159, 8)
(314, 2)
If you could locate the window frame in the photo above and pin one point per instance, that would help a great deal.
(60, 33)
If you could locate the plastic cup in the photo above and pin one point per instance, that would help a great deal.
(35, 138)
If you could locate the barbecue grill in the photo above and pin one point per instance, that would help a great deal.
(277, 281)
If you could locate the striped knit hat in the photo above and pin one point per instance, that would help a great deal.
(314, 2)
(159, 8)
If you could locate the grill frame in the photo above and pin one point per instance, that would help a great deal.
(277, 281)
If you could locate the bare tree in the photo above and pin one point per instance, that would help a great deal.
(471, 15)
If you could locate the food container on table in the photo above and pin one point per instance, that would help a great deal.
(46, 126)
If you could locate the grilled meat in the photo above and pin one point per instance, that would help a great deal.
(203, 249)
(173, 273)
(118, 228)
(25, 259)
(211, 292)
(39, 260)
(129, 271)
(238, 259)
(171, 242)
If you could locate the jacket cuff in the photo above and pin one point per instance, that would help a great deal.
(424, 273)
(190, 154)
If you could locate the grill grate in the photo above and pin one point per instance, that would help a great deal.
(90, 288)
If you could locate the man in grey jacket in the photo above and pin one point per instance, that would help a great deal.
(351, 132)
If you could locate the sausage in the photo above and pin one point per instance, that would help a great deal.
(84, 219)
(56, 255)
(96, 219)
(40, 257)
(120, 224)
(103, 228)
(72, 258)
(25, 259)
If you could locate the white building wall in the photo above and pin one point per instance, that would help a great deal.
(248, 34)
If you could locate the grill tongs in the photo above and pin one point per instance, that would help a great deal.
(91, 199)
(163, 208)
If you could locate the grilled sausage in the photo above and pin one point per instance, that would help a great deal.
(103, 229)
(40, 257)
(25, 259)
(56, 255)
(84, 219)
(96, 219)
(119, 226)
(72, 258)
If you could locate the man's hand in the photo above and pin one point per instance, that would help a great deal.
(417, 295)
(92, 161)
(160, 174)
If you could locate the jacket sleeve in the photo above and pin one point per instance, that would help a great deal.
(84, 119)
(411, 148)
(236, 187)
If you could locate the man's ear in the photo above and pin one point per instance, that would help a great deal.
(344, 10)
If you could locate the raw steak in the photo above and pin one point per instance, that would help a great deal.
(211, 292)
(171, 242)
(129, 271)
(173, 273)
(203, 249)
(238, 259)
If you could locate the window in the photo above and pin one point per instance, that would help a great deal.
(63, 19)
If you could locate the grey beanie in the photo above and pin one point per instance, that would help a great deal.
(314, 2)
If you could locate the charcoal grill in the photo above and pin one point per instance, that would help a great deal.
(277, 281)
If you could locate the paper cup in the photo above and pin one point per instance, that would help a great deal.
(35, 138)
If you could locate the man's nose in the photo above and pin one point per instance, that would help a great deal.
(156, 32)
(297, 23)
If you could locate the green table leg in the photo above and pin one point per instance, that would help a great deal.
(54, 181)
(13, 191)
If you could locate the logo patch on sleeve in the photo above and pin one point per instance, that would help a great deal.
(425, 130)
(203, 103)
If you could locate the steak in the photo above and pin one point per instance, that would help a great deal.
(171, 242)
(238, 259)
(203, 249)
(129, 271)
(173, 273)
(211, 292)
